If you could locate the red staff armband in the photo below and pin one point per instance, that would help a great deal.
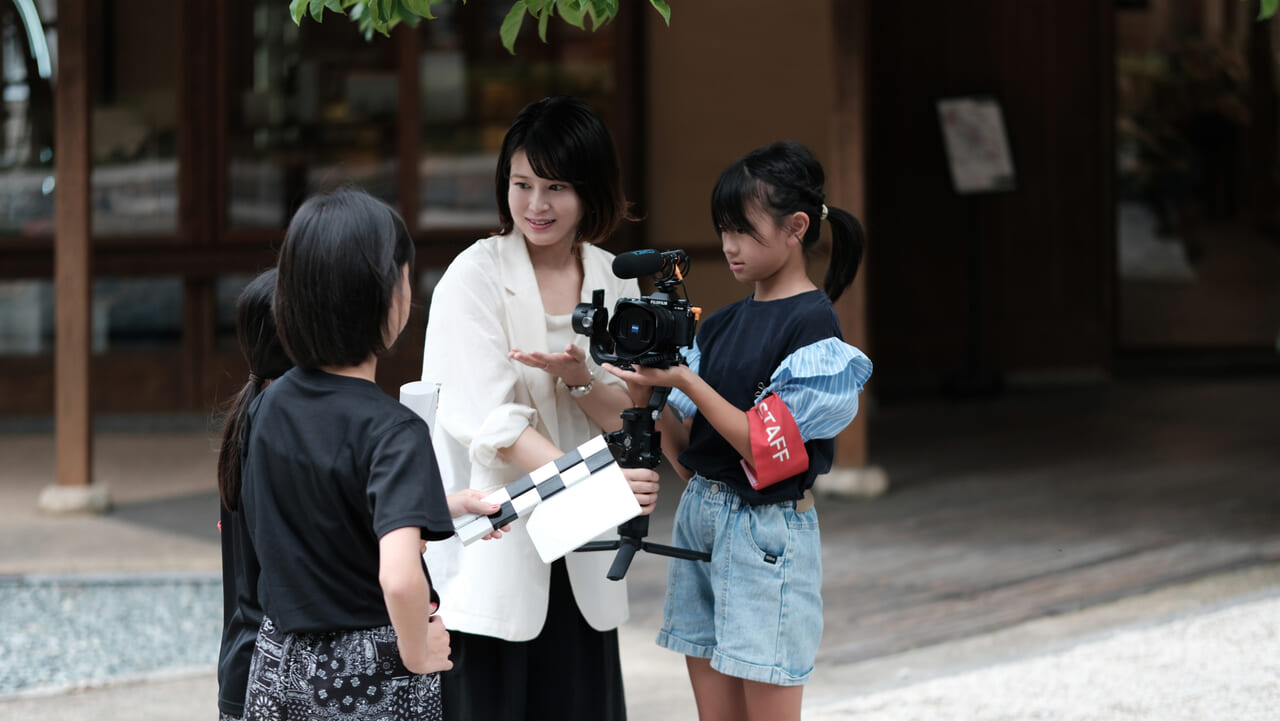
(776, 444)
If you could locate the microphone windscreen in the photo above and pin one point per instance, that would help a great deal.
(637, 263)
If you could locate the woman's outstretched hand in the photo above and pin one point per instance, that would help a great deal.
(570, 365)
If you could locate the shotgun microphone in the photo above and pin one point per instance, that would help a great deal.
(648, 262)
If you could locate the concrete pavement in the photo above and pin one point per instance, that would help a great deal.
(1204, 649)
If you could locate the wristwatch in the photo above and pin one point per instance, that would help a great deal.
(580, 391)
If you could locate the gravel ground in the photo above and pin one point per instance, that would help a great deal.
(75, 631)
(1223, 664)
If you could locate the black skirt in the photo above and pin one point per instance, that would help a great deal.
(570, 672)
(341, 676)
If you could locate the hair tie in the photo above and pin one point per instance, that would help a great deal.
(824, 212)
(255, 379)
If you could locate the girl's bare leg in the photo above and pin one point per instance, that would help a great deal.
(767, 701)
(719, 697)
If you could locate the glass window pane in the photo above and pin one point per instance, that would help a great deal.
(226, 289)
(471, 89)
(135, 110)
(312, 107)
(28, 51)
(26, 317)
(137, 313)
(128, 314)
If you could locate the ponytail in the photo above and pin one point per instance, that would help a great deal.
(846, 252)
(229, 453)
(784, 178)
(256, 331)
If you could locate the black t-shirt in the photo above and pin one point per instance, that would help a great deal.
(241, 615)
(332, 464)
(740, 347)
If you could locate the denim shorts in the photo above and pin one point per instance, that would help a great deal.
(756, 609)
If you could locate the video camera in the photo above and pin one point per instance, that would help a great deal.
(645, 331)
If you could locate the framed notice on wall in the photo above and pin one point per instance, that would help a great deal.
(977, 145)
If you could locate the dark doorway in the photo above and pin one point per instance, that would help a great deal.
(1198, 182)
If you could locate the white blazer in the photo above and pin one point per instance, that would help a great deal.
(487, 303)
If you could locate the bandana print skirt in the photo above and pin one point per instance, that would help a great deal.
(340, 676)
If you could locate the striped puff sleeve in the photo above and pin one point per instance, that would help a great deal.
(820, 383)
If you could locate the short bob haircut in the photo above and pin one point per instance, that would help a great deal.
(339, 270)
(564, 139)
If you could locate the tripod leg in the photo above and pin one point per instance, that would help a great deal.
(630, 538)
(622, 561)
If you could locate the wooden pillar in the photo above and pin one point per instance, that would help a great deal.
(846, 188)
(408, 144)
(74, 490)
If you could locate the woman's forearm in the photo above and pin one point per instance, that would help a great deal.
(604, 405)
(531, 451)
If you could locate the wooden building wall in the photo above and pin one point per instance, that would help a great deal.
(1045, 251)
(727, 76)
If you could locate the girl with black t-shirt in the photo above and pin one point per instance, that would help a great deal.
(339, 488)
(242, 613)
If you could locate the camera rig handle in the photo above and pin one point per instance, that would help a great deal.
(640, 443)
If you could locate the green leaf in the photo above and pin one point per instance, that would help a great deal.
(600, 12)
(511, 26)
(572, 12)
(409, 17)
(297, 8)
(665, 10)
(421, 7)
(593, 12)
(382, 16)
(1267, 8)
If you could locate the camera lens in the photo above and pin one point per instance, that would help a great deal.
(633, 330)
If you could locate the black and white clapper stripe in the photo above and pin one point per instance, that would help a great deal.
(518, 498)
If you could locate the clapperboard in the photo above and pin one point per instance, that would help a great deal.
(564, 503)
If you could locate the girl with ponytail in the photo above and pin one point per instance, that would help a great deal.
(241, 614)
(769, 384)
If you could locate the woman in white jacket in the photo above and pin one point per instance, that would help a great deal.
(517, 389)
